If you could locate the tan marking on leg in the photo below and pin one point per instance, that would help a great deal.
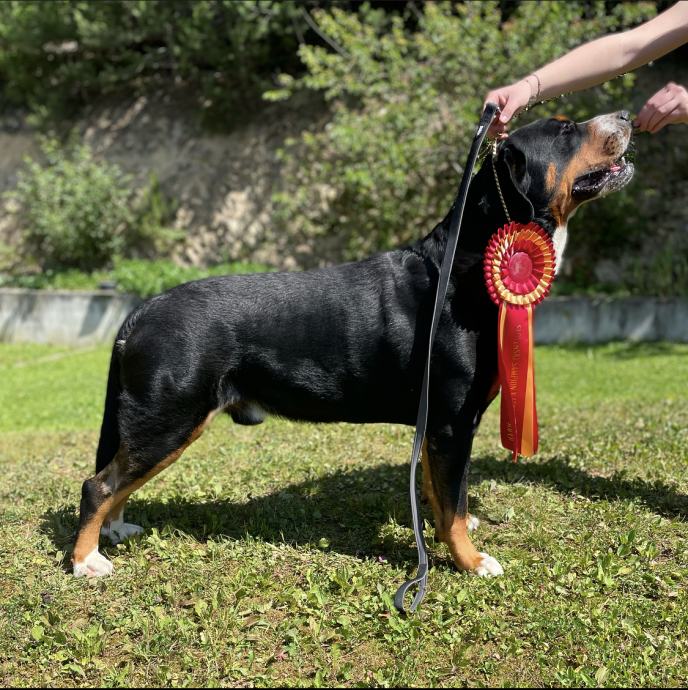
(465, 555)
(494, 390)
(124, 494)
(430, 494)
(87, 539)
(117, 511)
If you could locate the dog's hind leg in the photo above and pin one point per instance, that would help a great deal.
(449, 451)
(105, 494)
(114, 527)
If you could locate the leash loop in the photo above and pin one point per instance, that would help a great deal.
(421, 577)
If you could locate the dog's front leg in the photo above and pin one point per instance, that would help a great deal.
(448, 458)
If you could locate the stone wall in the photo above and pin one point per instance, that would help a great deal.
(222, 183)
(89, 318)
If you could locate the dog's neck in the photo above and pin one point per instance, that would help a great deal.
(483, 215)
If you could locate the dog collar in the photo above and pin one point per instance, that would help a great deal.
(493, 158)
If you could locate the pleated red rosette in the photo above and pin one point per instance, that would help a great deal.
(519, 270)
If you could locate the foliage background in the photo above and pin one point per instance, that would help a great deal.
(399, 87)
(404, 106)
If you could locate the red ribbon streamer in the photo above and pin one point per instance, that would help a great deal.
(519, 269)
(517, 378)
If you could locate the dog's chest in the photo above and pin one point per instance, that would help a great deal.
(559, 239)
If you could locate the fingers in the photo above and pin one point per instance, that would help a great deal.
(499, 98)
(655, 109)
(668, 106)
(511, 100)
(662, 116)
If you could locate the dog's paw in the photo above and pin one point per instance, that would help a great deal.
(94, 565)
(488, 566)
(119, 531)
(472, 523)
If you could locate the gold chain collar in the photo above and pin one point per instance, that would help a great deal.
(499, 187)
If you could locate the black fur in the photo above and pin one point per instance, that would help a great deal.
(345, 343)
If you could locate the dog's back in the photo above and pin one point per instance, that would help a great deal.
(333, 344)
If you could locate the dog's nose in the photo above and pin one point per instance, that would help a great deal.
(624, 115)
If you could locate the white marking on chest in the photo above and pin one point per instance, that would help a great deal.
(559, 239)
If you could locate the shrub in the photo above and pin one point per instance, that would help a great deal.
(150, 233)
(54, 280)
(146, 278)
(57, 55)
(73, 209)
(76, 212)
(140, 277)
(404, 103)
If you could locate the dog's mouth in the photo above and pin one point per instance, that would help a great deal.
(605, 180)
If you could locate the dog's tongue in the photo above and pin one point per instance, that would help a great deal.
(615, 167)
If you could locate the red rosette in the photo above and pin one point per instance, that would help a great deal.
(519, 264)
(519, 270)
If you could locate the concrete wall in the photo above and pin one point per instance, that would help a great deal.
(599, 320)
(62, 317)
(86, 318)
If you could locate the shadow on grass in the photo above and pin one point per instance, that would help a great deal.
(559, 474)
(350, 509)
(347, 509)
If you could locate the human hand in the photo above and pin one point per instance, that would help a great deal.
(668, 106)
(511, 100)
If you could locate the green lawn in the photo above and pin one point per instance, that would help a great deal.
(271, 554)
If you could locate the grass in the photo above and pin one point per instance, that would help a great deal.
(271, 554)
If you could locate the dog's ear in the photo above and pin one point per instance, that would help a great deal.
(515, 163)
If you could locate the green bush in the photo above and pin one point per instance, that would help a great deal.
(140, 277)
(74, 210)
(150, 234)
(71, 279)
(404, 103)
(146, 278)
(57, 55)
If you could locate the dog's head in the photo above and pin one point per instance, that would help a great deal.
(550, 167)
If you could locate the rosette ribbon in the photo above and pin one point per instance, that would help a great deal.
(519, 270)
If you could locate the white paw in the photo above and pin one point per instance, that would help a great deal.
(118, 531)
(94, 565)
(472, 523)
(488, 566)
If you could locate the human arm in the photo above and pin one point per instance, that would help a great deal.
(595, 62)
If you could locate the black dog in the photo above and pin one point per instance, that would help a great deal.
(345, 343)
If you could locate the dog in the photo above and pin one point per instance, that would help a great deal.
(345, 343)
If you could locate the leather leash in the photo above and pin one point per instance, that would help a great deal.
(421, 577)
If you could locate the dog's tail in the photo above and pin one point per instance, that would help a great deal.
(110, 440)
(108, 445)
